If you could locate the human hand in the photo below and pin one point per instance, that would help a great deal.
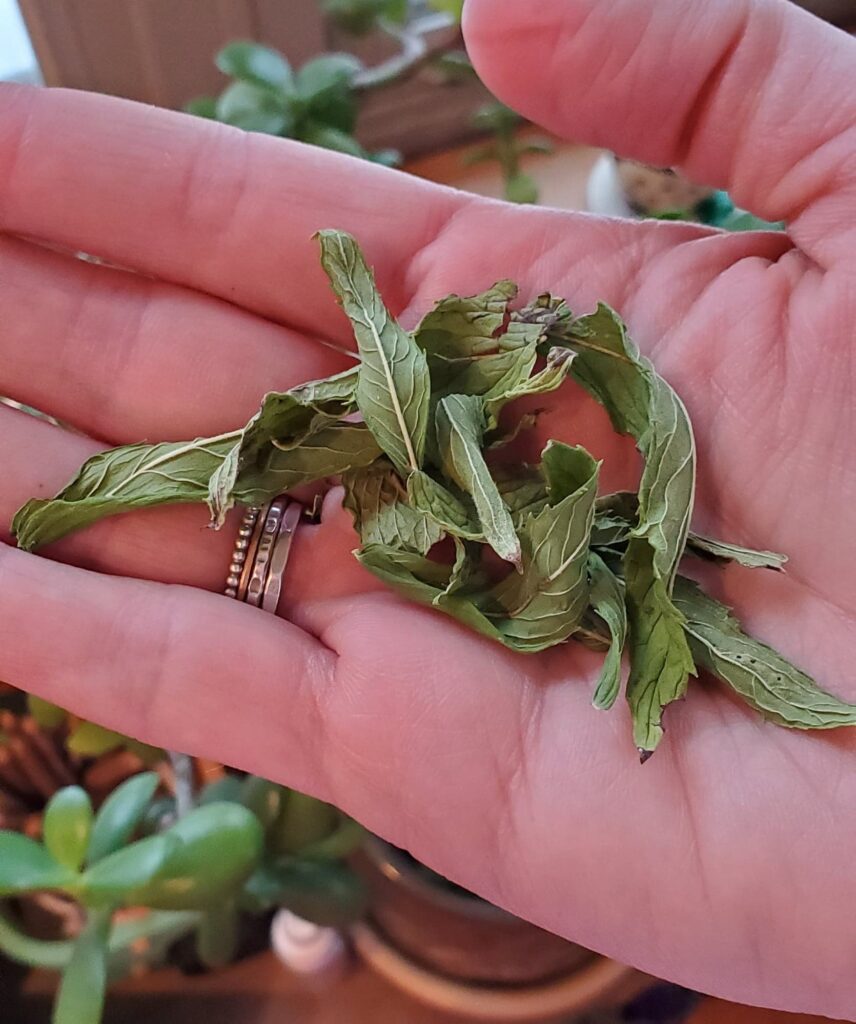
(724, 863)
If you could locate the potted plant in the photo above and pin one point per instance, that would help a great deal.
(319, 102)
(453, 950)
(145, 883)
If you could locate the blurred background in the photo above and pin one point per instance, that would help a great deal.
(189, 889)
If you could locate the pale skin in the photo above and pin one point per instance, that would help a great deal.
(726, 862)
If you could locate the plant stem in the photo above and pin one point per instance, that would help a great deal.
(182, 768)
(55, 955)
(414, 50)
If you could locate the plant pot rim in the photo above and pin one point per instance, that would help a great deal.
(396, 867)
(577, 991)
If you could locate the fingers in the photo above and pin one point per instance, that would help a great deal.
(202, 204)
(232, 213)
(754, 96)
(177, 666)
(123, 357)
(171, 544)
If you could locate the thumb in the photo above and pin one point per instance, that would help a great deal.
(755, 96)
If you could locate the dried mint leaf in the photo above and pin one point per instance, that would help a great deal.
(444, 508)
(460, 429)
(457, 329)
(719, 551)
(762, 677)
(121, 479)
(639, 402)
(544, 604)
(377, 499)
(606, 596)
(394, 386)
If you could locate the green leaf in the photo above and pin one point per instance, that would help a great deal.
(667, 489)
(361, 16)
(496, 117)
(229, 789)
(719, 551)
(328, 453)
(265, 799)
(344, 840)
(303, 821)
(116, 878)
(543, 606)
(67, 826)
(427, 583)
(284, 420)
(121, 479)
(763, 678)
(324, 892)
(48, 716)
(521, 384)
(453, 7)
(382, 514)
(616, 516)
(328, 72)
(254, 109)
(521, 188)
(394, 386)
(386, 157)
(641, 403)
(660, 659)
(606, 596)
(492, 375)
(202, 106)
(120, 814)
(83, 988)
(260, 65)
(217, 935)
(90, 740)
(26, 866)
(460, 328)
(219, 845)
(142, 475)
(523, 490)
(460, 428)
(339, 391)
(332, 138)
(446, 510)
(609, 366)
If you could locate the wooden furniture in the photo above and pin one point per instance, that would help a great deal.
(162, 52)
(260, 991)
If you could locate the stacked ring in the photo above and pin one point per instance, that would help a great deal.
(261, 553)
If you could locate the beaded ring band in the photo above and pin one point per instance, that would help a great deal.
(261, 552)
(243, 554)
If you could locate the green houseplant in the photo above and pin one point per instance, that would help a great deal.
(319, 102)
(246, 847)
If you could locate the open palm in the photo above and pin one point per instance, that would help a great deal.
(726, 862)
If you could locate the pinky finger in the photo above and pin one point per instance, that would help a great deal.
(170, 665)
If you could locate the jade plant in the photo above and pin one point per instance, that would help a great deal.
(318, 103)
(246, 847)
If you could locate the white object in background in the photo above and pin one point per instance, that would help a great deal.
(604, 194)
(17, 60)
(318, 954)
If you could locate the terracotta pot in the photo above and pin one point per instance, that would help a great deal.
(450, 931)
(456, 952)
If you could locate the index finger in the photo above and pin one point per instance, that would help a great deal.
(232, 214)
(199, 203)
